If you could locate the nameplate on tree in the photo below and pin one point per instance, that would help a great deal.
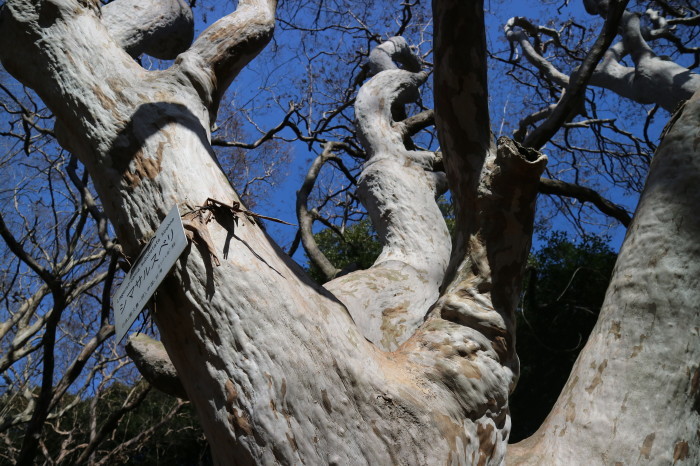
(148, 271)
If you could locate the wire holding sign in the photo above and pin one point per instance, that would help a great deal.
(148, 271)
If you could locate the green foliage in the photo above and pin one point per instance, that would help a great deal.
(564, 291)
(357, 248)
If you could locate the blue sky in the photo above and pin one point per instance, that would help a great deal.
(281, 202)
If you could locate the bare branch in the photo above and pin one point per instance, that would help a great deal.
(306, 218)
(577, 85)
(515, 30)
(265, 137)
(153, 363)
(584, 194)
(113, 419)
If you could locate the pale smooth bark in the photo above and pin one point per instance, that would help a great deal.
(277, 368)
(153, 362)
(398, 188)
(634, 394)
(274, 365)
(161, 29)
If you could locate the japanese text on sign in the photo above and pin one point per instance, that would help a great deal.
(149, 270)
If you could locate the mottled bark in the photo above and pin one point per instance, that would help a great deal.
(281, 370)
(274, 365)
(634, 394)
(494, 189)
(398, 188)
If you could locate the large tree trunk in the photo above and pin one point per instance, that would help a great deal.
(634, 394)
(276, 367)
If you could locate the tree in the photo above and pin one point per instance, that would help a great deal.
(282, 370)
(59, 269)
(572, 88)
(355, 248)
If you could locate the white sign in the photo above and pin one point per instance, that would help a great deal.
(150, 268)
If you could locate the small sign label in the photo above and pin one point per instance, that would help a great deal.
(150, 268)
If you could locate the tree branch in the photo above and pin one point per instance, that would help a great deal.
(515, 30)
(112, 421)
(306, 218)
(396, 49)
(160, 28)
(265, 137)
(398, 188)
(584, 194)
(577, 85)
(153, 362)
(223, 49)
(461, 108)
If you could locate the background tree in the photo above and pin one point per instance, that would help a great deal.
(57, 362)
(584, 100)
(563, 294)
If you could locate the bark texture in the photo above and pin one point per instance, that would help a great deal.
(398, 188)
(281, 370)
(634, 393)
(275, 366)
(161, 29)
(153, 363)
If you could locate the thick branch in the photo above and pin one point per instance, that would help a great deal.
(643, 350)
(398, 188)
(161, 29)
(396, 49)
(415, 123)
(153, 362)
(495, 191)
(651, 80)
(461, 107)
(223, 49)
(473, 323)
